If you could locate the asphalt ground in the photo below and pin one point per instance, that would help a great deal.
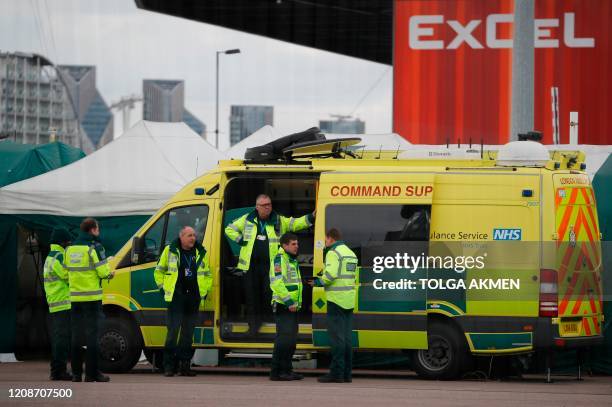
(251, 387)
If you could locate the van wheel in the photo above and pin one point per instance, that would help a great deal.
(120, 345)
(446, 355)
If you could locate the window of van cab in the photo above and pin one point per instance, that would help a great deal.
(363, 224)
(166, 229)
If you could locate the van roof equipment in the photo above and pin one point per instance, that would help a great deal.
(308, 143)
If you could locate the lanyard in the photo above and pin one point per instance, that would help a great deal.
(188, 260)
(262, 227)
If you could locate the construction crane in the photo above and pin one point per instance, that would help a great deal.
(125, 105)
(341, 117)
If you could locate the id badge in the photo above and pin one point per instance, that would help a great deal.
(261, 237)
(188, 272)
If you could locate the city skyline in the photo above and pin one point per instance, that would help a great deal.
(164, 101)
(342, 125)
(246, 120)
(128, 45)
(39, 99)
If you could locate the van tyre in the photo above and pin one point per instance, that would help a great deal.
(120, 345)
(447, 354)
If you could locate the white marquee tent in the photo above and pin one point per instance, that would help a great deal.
(133, 175)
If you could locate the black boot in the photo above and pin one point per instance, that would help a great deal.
(283, 377)
(330, 379)
(185, 369)
(97, 378)
(296, 376)
(254, 328)
(65, 376)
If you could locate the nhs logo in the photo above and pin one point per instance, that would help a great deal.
(507, 234)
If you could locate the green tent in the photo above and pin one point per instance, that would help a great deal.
(22, 161)
(19, 162)
(24, 245)
(122, 184)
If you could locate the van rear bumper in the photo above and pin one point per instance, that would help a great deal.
(579, 342)
(546, 335)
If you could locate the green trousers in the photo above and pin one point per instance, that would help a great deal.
(60, 342)
(181, 320)
(340, 329)
(285, 340)
(85, 320)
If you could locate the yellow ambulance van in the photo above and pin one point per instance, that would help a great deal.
(488, 254)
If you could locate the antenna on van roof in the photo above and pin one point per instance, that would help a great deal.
(397, 152)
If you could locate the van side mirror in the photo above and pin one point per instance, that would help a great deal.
(137, 249)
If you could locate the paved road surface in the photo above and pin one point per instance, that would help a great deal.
(235, 387)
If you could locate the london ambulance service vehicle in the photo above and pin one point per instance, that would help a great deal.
(491, 254)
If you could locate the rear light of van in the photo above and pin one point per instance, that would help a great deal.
(548, 293)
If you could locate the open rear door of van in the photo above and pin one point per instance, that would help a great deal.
(381, 217)
(579, 256)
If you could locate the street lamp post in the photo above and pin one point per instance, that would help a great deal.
(229, 51)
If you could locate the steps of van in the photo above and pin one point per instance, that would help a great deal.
(265, 354)
(238, 331)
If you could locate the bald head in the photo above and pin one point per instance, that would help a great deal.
(187, 236)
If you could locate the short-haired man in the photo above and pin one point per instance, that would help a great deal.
(338, 278)
(183, 273)
(286, 285)
(258, 232)
(86, 263)
(57, 292)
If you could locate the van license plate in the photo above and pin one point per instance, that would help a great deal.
(570, 328)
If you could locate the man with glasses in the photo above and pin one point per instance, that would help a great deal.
(258, 235)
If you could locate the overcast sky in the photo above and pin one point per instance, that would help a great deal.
(128, 45)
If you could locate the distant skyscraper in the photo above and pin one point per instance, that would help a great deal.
(245, 120)
(94, 114)
(164, 101)
(38, 98)
(193, 122)
(342, 126)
